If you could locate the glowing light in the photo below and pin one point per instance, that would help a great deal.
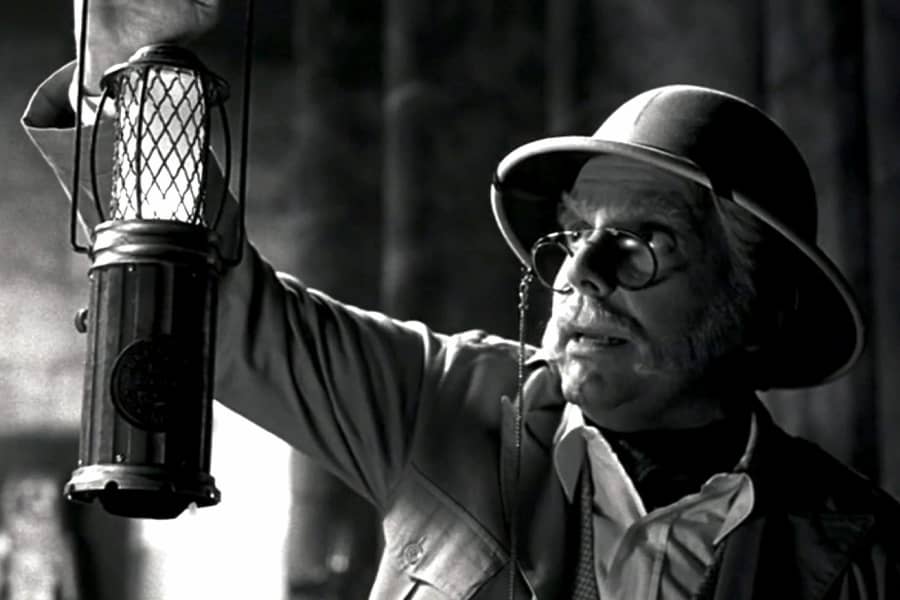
(159, 155)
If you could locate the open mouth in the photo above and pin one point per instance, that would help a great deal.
(599, 340)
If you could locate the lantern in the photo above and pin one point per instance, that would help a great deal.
(156, 258)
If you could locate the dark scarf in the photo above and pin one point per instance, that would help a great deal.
(666, 465)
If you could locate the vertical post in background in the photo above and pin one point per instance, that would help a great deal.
(464, 84)
(816, 51)
(561, 64)
(417, 120)
(881, 34)
(330, 203)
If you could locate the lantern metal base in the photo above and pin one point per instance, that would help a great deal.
(141, 491)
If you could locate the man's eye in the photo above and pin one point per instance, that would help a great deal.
(577, 235)
(662, 242)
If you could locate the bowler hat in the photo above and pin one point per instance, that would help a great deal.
(731, 147)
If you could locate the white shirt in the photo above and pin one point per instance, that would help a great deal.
(663, 554)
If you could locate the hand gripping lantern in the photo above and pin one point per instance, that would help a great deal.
(156, 258)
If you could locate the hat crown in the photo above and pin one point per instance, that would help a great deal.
(737, 146)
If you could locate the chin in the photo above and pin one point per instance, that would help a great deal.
(586, 386)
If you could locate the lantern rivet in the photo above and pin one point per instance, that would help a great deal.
(81, 317)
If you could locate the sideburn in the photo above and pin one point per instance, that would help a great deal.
(718, 334)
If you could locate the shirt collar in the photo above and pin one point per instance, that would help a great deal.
(569, 447)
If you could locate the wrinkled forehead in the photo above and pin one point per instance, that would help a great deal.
(615, 187)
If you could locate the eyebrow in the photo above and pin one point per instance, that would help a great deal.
(671, 205)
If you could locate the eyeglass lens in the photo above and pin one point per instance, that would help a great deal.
(622, 257)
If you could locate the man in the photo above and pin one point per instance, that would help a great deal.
(678, 241)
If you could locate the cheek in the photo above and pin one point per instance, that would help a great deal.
(561, 280)
(673, 308)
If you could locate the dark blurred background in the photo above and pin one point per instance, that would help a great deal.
(375, 130)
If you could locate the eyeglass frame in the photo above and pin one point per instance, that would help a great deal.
(552, 238)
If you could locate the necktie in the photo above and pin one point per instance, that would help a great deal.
(585, 583)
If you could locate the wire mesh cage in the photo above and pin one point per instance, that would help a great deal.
(163, 102)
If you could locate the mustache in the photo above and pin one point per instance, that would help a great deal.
(585, 314)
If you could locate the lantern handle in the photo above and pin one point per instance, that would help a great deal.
(245, 130)
(231, 261)
(76, 168)
(226, 178)
(92, 155)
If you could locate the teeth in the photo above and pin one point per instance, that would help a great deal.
(602, 339)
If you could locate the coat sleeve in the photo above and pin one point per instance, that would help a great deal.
(347, 386)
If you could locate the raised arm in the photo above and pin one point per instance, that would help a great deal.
(344, 385)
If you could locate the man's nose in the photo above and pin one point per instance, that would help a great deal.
(589, 272)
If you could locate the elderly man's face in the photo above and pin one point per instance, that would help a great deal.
(643, 358)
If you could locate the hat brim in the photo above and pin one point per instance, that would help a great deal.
(826, 334)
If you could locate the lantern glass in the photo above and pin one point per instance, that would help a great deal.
(162, 140)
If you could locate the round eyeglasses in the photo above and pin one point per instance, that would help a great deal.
(621, 257)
